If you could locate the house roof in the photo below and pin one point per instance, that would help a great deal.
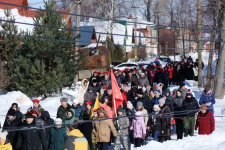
(86, 33)
(15, 2)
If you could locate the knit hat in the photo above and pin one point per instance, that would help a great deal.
(142, 74)
(3, 135)
(58, 121)
(156, 106)
(129, 105)
(162, 100)
(76, 101)
(90, 88)
(120, 109)
(35, 112)
(11, 112)
(140, 91)
(207, 89)
(139, 104)
(157, 92)
(104, 87)
(64, 99)
(203, 107)
(29, 115)
(164, 94)
(138, 113)
(182, 84)
(36, 100)
(189, 92)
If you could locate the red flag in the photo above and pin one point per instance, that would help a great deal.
(116, 94)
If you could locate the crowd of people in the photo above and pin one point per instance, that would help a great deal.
(149, 111)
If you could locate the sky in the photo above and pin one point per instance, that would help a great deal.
(36, 3)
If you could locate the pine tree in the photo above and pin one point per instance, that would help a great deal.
(9, 45)
(45, 65)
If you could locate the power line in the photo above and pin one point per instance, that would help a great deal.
(72, 14)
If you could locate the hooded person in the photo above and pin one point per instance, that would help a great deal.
(191, 107)
(70, 116)
(4, 141)
(17, 109)
(63, 108)
(57, 136)
(121, 124)
(12, 122)
(208, 99)
(156, 98)
(145, 100)
(89, 95)
(168, 102)
(82, 90)
(143, 80)
(205, 122)
(165, 120)
(183, 89)
(78, 109)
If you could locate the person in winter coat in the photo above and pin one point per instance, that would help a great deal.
(70, 116)
(170, 69)
(102, 130)
(178, 101)
(103, 105)
(78, 109)
(168, 95)
(46, 122)
(33, 138)
(89, 95)
(11, 122)
(145, 100)
(17, 109)
(189, 73)
(208, 99)
(143, 80)
(166, 78)
(121, 125)
(139, 128)
(75, 139)
(37, 107)
(88, 109)
(131, 77)
(183, 89)
(159, 76)
(168, 102)
(205, 121)
(4, 142)
(165, 120)
(63, 108)
(154, 122)
(106, 81)
(130, 112)
(191, 107)
(144, 112)
(195, 70)
(57, 136)
(86, 129)
(95, 87)
(82, 90)
(156, 98)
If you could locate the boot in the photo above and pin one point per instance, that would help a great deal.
(132, 147)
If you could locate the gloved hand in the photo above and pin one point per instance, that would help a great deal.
(209, 104)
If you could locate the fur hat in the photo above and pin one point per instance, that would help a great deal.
(156, 106)
(58, 121)
(3, 135)
(162, 100)
(64, 99)
(129, 105)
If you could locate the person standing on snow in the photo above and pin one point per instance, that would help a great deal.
(208, 99)
(82, 90)
(62, 110)
(205, 121)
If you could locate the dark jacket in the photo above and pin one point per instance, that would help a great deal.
(169, 103)
(165, 121)
(89, 96)
(154, 121)
(57, 138)
(10, 125)
(31, 139)
(122, 124)
(48, 123)
(130, 115)
(155, 100)
(133, 78)
(86, 129)
(61, 112)
(146, 103)
(189, 73)
(78, 111)
(190, 105)
(177, 105)
(159, 77)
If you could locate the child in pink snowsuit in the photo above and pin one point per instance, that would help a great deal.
(138, 125)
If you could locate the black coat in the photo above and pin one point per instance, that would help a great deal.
(159, 77)
(154, 122)
(169, 103)
(146, 103)
(32, 138)
(165, 121)
(189, 73)
(190, 105)
(86, 129)
(48, 122)
(11, 125)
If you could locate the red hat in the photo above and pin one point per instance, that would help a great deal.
(142, 67)
(128, 69)
(189, 93)
(99, 73)
(95, 110)
(104, 87)
(95, 72)
(88, 103)
(156, 59)
(155, 66)
(119, 71)
(34, 111)
(36, 100)
(108, 73)
(104, 72)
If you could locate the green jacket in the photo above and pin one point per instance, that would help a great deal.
(57, 138)
(169, 97)
(61, 112)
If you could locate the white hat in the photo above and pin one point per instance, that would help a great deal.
(138, 113)
(129, 105)
(156, 106)
(142, 74)
(76, 101)
(3, 135)
(58, 121)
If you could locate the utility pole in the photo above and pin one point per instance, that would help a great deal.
(183, 42)
(158, 28)
(199, 43)
(71, 10)
(78, 26)
(174, 40)
(135, 33)
(166, 48)
(218, 90)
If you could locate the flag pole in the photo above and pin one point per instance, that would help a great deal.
(116, 114)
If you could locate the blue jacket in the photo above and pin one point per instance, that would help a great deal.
(78, 111)
(206, 98)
